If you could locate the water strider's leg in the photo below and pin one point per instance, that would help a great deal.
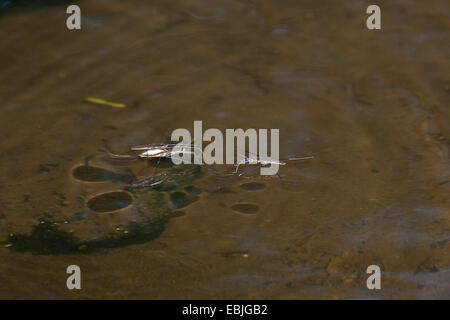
(157, 165)
(124, 157)
(237, 168)
(149, 182)
(116, 156)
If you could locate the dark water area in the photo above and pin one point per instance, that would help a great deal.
(372, 107)
(30, 4)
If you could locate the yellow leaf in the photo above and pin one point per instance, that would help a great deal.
(104, 102)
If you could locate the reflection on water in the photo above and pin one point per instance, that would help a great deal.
(371, 106)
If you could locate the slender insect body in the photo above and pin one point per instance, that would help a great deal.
(163, 151)
(154, 153)
(265, 161)
(270, 161)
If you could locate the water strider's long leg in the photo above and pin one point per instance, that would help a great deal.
(125, 157)
(238, 165)
(157, 165)
(237, 168)
(149, 182)
(113, 155)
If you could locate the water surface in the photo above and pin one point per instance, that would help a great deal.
(371, 106)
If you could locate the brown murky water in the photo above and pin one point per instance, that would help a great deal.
(371, 106)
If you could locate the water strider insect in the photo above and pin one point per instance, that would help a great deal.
(161, 150)
(266, 161)
(153, 151)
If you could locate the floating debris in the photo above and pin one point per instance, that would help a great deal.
(105, 102)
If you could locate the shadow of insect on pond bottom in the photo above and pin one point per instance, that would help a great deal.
(154, 209)
(47, 239)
